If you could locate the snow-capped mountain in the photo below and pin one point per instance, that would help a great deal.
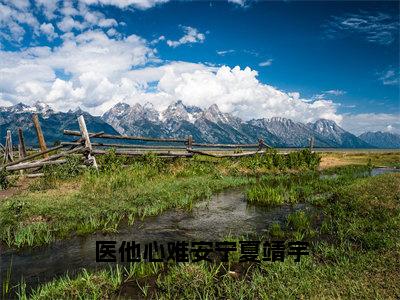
(180, 112)
(213, 126)
(38, 107)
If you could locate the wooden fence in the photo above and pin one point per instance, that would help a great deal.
(92, 144)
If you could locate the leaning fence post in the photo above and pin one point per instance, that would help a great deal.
(39, 133)
(311, 143)
(88, 144)
(21, 147)
(8, 150)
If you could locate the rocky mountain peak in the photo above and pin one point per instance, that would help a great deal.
(176, 111)
(213, 114)
(121, 107)
(42, 108)
(281, 120)
(79, 110)
(20, 107)
(326, 127)
(148, 105)
(17, 108)
(38, 107)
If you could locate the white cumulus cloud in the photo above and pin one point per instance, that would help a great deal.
(93, 67)
(95, 71)
(238, 91)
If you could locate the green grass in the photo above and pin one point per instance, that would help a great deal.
(299, 221)
(355, 246)
(276, 231)
(358, 257)
(101, 203)
(70, 200)
(388, 159)
(266, 195)
(305, 186)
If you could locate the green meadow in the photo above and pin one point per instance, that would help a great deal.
(352, 229)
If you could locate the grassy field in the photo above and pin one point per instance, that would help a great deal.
(354, 232)
(334, 159)
(67, 201)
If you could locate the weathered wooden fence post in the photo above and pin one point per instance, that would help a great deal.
(260, 144)
(21, 146)
(88, 144)
(311, 143)
(190, 142)
(39, 133)
(8, 151)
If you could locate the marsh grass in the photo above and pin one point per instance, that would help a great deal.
(354, 255)
(69, 199)
(360, 260)
(306, 186)
(5, 284)
(276, 231)
(299, 221)
(266, 195)
(303, 159)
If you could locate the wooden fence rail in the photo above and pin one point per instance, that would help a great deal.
(94, 144)
(84, 146)
(127, 137)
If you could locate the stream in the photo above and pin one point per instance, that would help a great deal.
(225, 214)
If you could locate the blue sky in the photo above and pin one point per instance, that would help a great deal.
(301, 60)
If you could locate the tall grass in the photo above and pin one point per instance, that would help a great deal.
(266, 195)
(5, 285)
(361, 221)
(69, 199)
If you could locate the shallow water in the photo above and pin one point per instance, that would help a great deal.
(225, 214)
(379, 171)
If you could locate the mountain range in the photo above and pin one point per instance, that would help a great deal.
(379, 139)
(179, 120)
(213, 126)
